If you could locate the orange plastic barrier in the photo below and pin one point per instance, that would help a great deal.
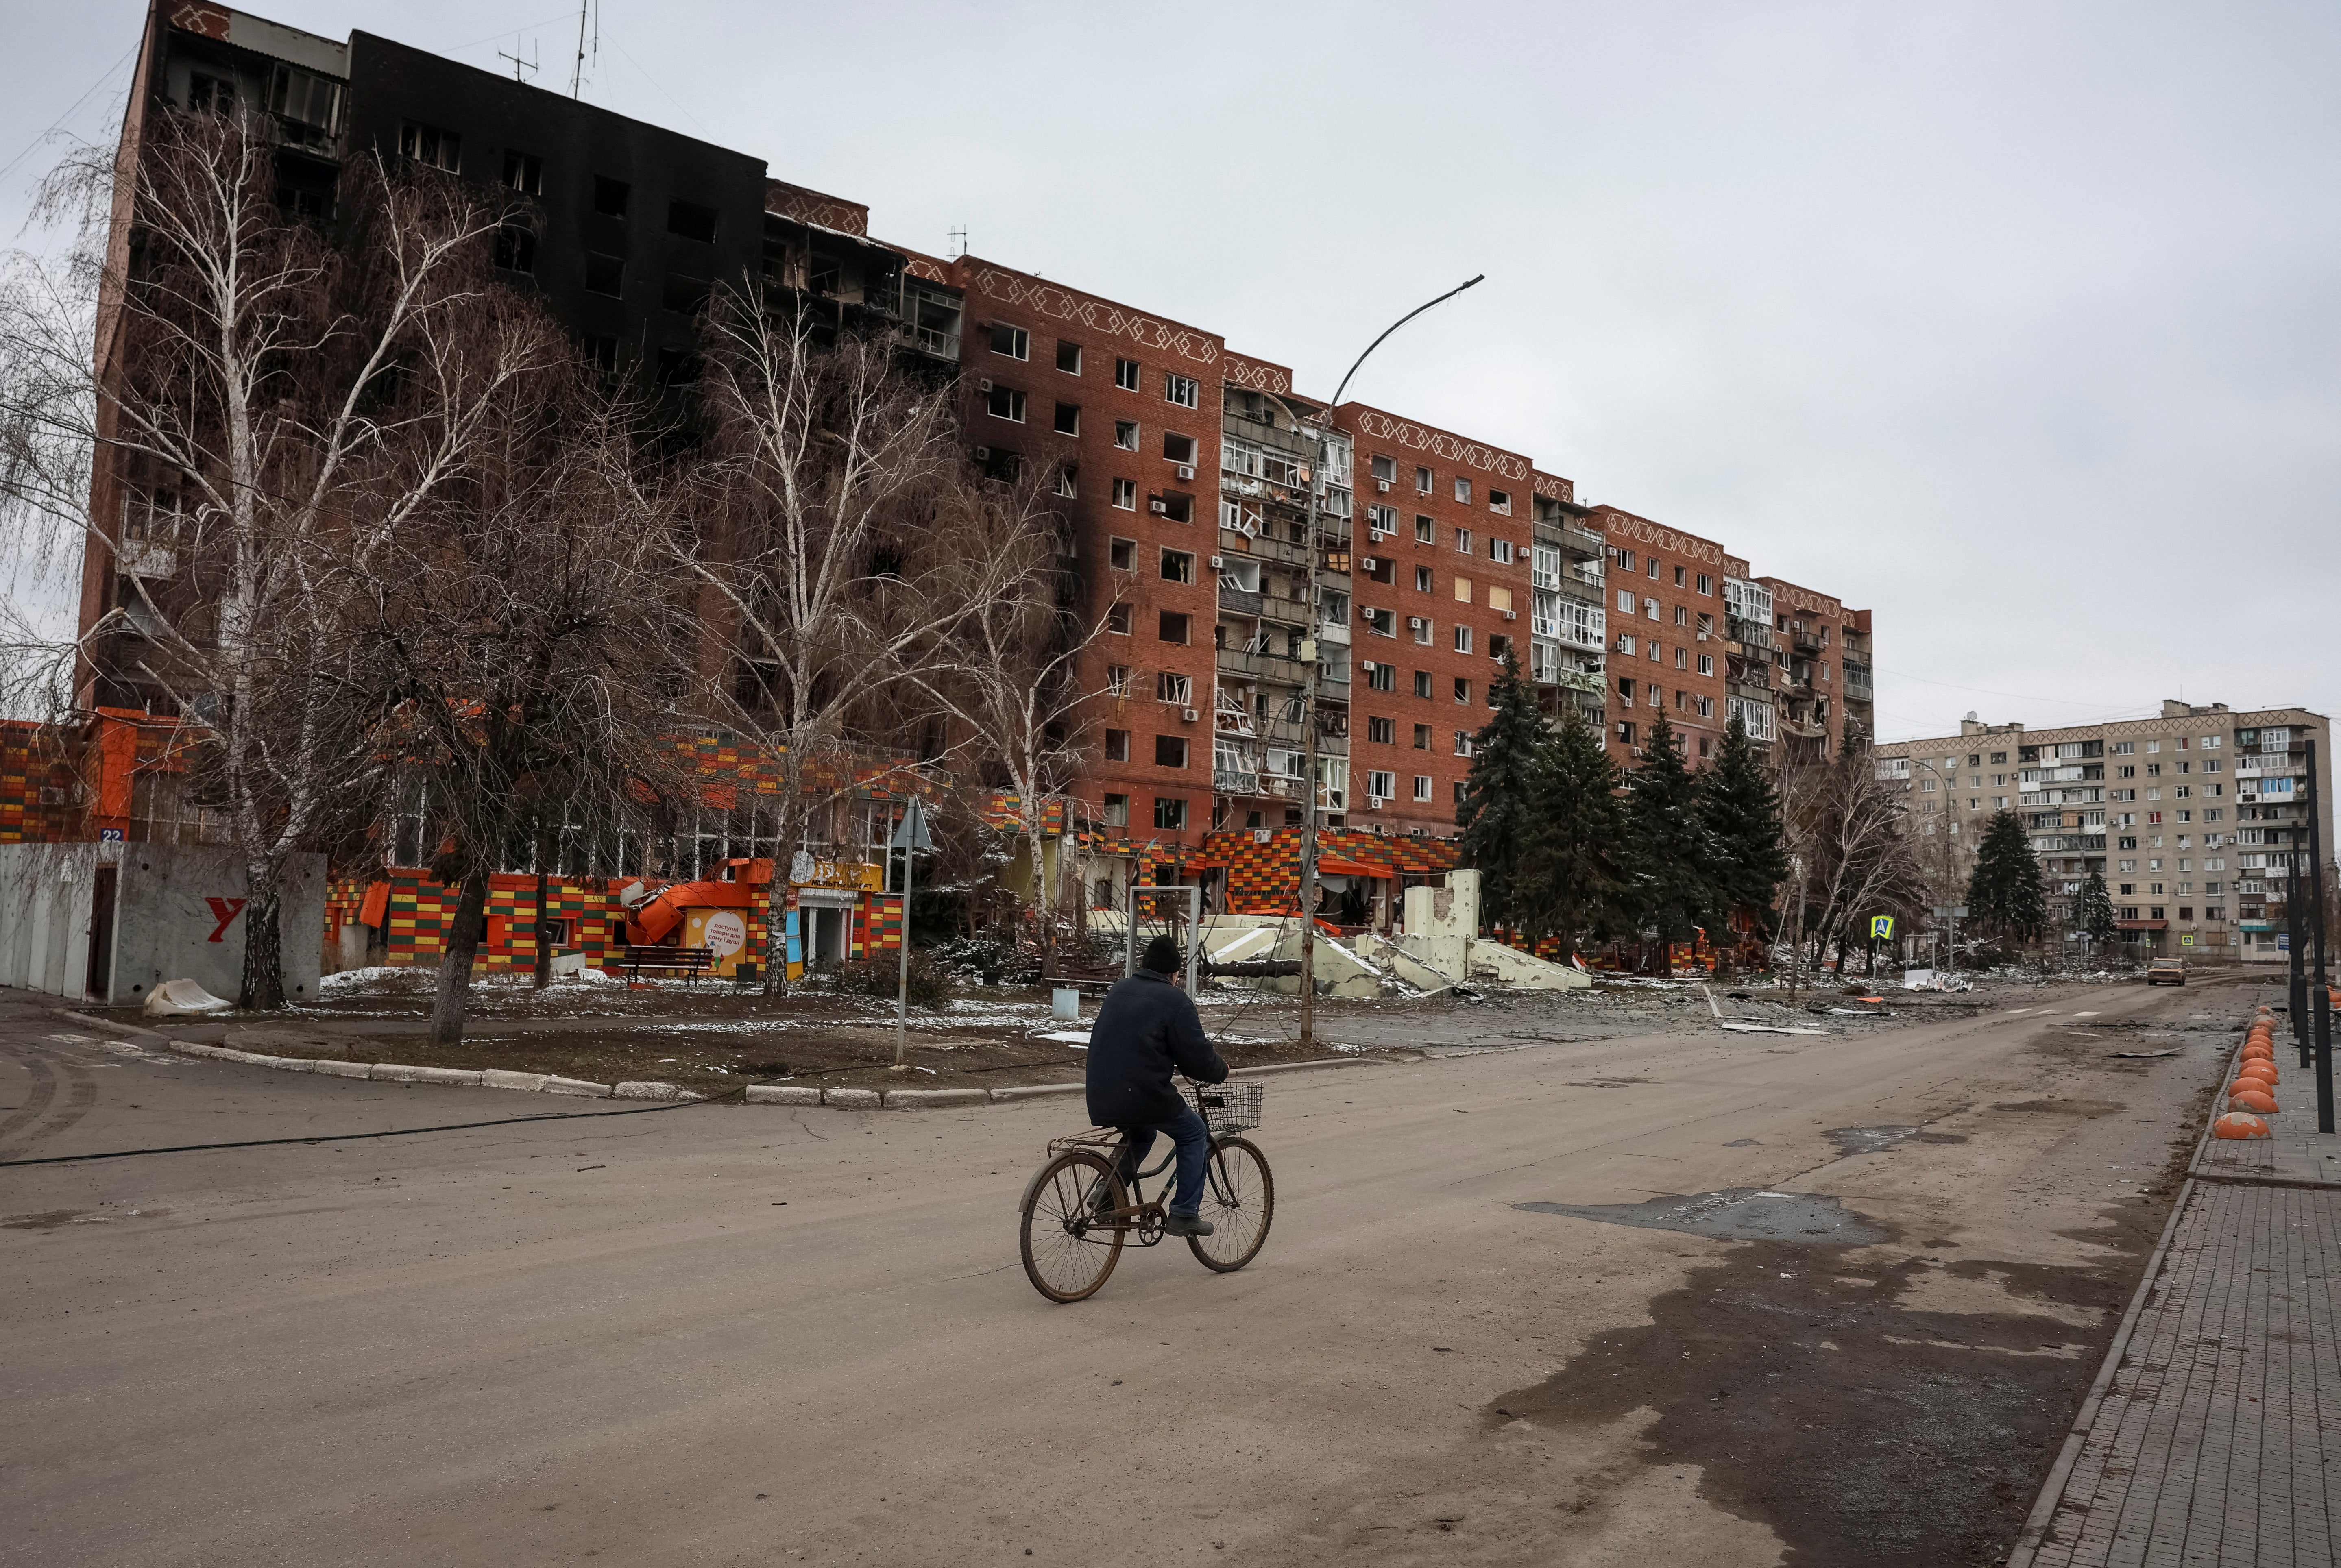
(2258, 1101)
(2239, 1124)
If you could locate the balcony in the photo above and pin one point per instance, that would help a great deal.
(1263, 666)
(1235, 781)
(1236, 601)
(1857, 683)
(1586, 543)
(1591, 680)
(1334, 631)
(1806, 642)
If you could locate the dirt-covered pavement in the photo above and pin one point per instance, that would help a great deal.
(1627, 1290)
(713, 1036)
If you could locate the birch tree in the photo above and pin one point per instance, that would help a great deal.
(208, 459)
(840, 548)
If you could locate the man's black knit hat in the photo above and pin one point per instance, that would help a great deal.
(1162, 957)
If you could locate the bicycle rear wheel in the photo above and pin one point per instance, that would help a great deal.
(1068, 1250)
(1239, 1200)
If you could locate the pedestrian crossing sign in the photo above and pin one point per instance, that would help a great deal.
(1881, 927)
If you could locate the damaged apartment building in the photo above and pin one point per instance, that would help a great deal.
(1190, 472)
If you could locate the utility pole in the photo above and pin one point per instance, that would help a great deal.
(2321, 998)
(2296, 956)
(1308, 646)
(909, 836)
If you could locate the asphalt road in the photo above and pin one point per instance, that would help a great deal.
(720, 1335)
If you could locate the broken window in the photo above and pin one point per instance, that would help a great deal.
(683, 296)
(430, 146)
(610, 196)
(1118, 619)
(1069, 357)
(1384, 469)
(1422, 685)
(1178, 508)
(1179, 448)
(1069, 483)
(1422, 482)
(1170, 813)
(1178, 566)
(1117, 810)
(691, 221)
(1499, 501)
(1172, 627)
(1117, 745)
(1462, 643)
(604, 274)
(524, 173)
(1463, 490)
(1125, 374)
(211, 94)
(1014, 343)
(1125, 496)
(1170, 751)
(1181, 389)
(1005, 402)
(1069, 419)
(1122, 554)
(516, 249)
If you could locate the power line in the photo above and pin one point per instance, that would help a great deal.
(10, 166)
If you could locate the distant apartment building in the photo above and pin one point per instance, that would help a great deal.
(1189, 471)
(2188, 815)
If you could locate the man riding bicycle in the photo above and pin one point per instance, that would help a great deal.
(1147, 1025)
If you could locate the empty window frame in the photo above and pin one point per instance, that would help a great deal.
(1125, 434)
(1069, 357)
(430, 146)
(524, 173)
(1005, 402)
(1178, 566)
(1125, 374)
(610, 196)
(1014, 343)
(691, 221)
(1426, 531)
(1170, 751)
(1125, 496)
(1183, 390)
(1069, 419)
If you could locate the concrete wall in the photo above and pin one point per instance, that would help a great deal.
(1441, 922)
(45, 901)
(179, 914)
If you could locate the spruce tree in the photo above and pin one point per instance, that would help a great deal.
(1499, 813)
(1742, 812)
(1668, 838)
(2097, 911)
(2005, 895)
(1581, 885)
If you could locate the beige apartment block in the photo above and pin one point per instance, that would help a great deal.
(2188, 815)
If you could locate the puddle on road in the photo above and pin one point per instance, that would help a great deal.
(1733, 1214)
(1875, 1140)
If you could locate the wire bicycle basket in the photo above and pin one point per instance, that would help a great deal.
(1229, 1108)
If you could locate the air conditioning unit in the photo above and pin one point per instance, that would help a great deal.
(1217, 562)
(1185, 470)
(1414, 623)
(1159, 507)
(1187, 714)
(983, 454)
(1376, 534)
(1368, 565)
(1368, 665)
(1374, 802)
(1383, 486)
(1511, 615)
(983, 385)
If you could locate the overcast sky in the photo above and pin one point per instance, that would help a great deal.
(2015, 323)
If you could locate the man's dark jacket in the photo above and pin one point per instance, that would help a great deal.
(1146, 1026)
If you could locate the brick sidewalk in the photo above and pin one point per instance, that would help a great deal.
(2217, 1438)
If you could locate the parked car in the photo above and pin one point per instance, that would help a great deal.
(2166, 972)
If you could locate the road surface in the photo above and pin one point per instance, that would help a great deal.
(725, 1335)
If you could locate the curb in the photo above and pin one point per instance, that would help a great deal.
(2030, 1539)
(544, 1083)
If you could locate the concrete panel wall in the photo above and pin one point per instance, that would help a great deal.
(180, 915)
(45, 904)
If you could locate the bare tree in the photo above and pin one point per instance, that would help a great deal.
(1846, 829)
(225, 451)
(1012, 677)
(841, 545)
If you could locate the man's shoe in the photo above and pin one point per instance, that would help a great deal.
(1185, 1225)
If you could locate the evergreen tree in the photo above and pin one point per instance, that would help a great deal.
(1742, 812)
(1499, 813)
(1581, 884)
(1668, 838)
(2005, 895)
(2097, 911)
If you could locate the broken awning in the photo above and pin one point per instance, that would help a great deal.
(1334, 865)
(2142, 925)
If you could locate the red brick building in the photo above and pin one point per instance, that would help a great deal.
(1666, 633)
(1821, 667)
(1442, 585)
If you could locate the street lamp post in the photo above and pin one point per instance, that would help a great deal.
(1309, 688)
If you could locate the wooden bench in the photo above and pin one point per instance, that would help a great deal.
(691, 962)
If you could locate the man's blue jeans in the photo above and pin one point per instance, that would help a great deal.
(1193, 1137)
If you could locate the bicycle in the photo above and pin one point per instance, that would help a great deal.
(1077, 1215)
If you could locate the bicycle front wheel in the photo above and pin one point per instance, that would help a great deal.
(1239, 1200)
(1068, 1250)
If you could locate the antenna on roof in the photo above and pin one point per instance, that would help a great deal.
(517, 61)
(958, 237)
(577, 72)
